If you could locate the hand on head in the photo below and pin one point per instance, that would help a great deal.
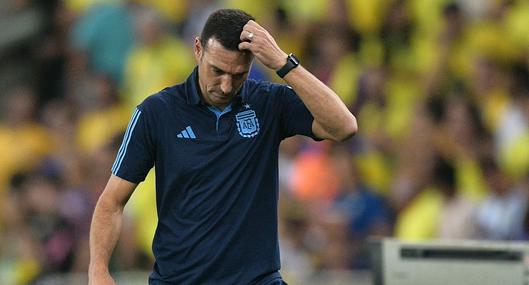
(258, 41)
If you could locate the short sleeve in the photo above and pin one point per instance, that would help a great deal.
(295, 117)
(136, 154)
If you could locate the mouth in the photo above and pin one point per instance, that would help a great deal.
(221, 97)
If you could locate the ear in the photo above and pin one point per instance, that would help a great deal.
(198, 49)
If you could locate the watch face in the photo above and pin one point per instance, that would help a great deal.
(294, 59)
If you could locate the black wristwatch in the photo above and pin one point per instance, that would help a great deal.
(292, 62)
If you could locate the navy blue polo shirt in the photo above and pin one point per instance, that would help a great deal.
(216, 179)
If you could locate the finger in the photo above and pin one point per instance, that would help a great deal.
(253, 23)
(246, 36)
(253, 27)
(245, 46)
(250, 28)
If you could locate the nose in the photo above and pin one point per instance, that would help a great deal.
(226, 84)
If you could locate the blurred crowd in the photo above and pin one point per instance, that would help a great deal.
(440, 89)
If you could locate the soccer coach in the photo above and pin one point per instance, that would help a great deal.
(214, 140)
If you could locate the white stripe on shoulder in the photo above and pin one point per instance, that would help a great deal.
(126, 139)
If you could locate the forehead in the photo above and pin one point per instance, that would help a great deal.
(227, 60)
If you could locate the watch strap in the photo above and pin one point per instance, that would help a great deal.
(292, 62)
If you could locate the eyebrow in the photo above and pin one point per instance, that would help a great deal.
(224, 71)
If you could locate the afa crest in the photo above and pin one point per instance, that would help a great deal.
(247, 123)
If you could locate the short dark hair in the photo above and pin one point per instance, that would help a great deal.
(225, 25)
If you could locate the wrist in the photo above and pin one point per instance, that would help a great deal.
(280, 62)
(96, 269)
(291, 62)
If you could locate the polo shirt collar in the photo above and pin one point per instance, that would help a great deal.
(193, 91)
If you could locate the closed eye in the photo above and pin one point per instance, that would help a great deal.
(218, 71)
(236, 76)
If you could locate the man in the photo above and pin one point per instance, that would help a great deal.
(214, 140)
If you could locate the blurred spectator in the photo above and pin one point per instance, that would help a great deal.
(19, 128)
(80, 7)
(295, 256)
(500, 216)
(173, 12)
(197, 14)
(457, 218)
(22, 23)
(157, 61)
(314, 178)
(413, 194)
(102, 38)
(512, 137)
(366, 213)
(51, 50)
(20, 254)
(104, 119)
(463, 138)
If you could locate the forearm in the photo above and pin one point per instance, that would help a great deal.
(104, 233)
(328, 110)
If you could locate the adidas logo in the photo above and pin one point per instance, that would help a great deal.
(187, 134)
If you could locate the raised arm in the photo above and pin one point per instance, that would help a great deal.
(332, 119)
(106, 228)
